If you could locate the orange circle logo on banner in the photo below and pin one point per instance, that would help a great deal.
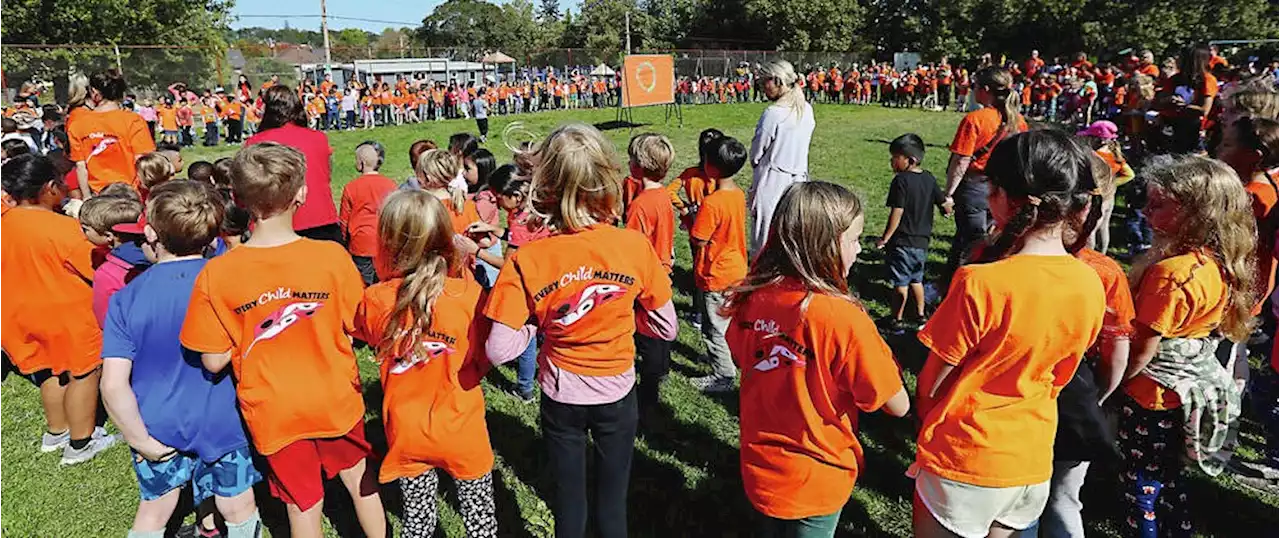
(648, 79)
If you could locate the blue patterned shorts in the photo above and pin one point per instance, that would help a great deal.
(229, 476)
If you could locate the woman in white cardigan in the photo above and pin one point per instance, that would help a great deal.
(780, 149)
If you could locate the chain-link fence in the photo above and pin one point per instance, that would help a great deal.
(150, 70)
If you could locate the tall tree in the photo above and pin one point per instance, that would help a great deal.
(817, 25)
(548, 11)
(191, 23)
(465, 23)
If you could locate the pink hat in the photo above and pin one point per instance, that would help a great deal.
(135, 228)
(1102, 129)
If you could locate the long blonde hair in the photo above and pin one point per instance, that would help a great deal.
(785, 74)
(1213, 217)
(804, 244)
(415, 236)
(998, 82)
(435, 169)
(578, 180)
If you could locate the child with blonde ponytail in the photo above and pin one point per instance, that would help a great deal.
(434, 170)
(429, 335)
(1193, 288)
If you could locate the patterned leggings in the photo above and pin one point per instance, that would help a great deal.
(1152, 444)
(475, 500)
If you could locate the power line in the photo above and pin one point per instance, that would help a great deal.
(338, 17)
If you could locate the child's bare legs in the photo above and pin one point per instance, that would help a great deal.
(362, 483)
(153, 515)
(924, 524)
(237, 511)
(81, 404)
(53, 398)
(917, 293)
(306, 524)
(899, 302)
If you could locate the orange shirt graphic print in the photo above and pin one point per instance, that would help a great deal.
(281, 319)
(583, 302)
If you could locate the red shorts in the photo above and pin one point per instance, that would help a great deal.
(294, 473)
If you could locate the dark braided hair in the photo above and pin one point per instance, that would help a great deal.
(1049, 175)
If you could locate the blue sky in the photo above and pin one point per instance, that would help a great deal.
(305, 13)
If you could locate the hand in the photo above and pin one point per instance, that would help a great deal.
(880, 243)
(481, 227)
(465, 244)
(948, 208)
(485, 242)
(155, 451)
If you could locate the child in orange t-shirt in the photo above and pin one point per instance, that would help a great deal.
(1249, 147)
(49, 331)
(987, 392)
(1083, 432)
(429, 335)
(587, 289)
(1195, 288)
(434, 170)
(811, 361)
(719, 257)
(293, 301)
(651, 214)
(358, 209)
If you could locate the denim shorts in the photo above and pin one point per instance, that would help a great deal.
(906, 265)
(230, 475)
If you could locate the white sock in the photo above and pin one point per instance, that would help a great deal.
(249, 528)
(152, 534)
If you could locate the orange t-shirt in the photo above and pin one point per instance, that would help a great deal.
(168, 118)
(696, 188)
(993, 421)
(721, 223)
(1117, 323)
(461, 220)
(1182, 296)
(232, 110)
(651, 214)
(294, 304)
(980, 131)
(581, 289)
(805, 377)
(1263, 197)
(630, 188)
(108, 142)
(433, 408)
(358, 212)
(48, 301)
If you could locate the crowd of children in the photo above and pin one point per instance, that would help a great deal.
(154, 302)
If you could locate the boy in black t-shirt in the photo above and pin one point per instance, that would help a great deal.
(912, 196)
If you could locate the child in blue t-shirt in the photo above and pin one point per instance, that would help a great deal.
(180, 420)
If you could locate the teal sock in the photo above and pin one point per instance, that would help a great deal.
(249, 528)
(152, 534)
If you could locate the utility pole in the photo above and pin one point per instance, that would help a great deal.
(628, 21)
(324, 29)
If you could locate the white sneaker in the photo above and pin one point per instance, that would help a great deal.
(71, 456)
(50, 442)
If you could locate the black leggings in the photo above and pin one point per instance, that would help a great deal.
(612, 428)
(475, 503)
(973, 216)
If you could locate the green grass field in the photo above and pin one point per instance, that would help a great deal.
(685, 479)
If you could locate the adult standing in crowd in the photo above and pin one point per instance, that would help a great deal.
(284, 121)
(780, 149)
(107, 140)
(1188, 97)
(977, 135)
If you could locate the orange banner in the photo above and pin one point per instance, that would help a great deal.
(648, 79)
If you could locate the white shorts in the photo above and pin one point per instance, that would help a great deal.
(970, 510)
